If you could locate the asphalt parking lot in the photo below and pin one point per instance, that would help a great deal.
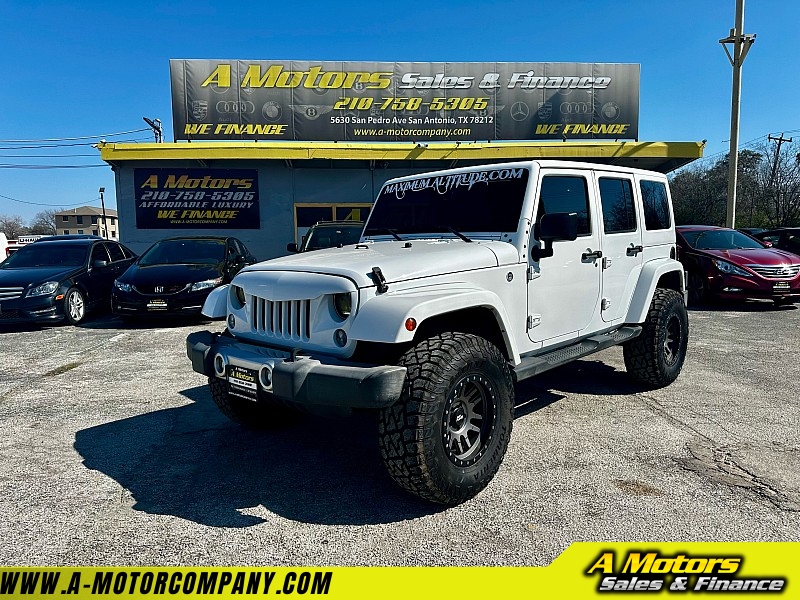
(113, 453)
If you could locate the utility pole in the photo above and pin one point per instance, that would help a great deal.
(741, 45)
(780, 141)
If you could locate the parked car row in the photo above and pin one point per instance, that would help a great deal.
(65, 277)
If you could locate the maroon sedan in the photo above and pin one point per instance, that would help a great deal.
(726, 263)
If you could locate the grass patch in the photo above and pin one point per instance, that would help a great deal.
(62, 369)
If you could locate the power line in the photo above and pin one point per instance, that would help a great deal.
(71, 144)
(43, 204)
(94, 154)
(46, 167)
(72, 139)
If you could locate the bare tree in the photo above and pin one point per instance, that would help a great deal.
(781, 181)
(12, 226)
(44, 223)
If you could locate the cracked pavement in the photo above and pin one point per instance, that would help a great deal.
(114, 454)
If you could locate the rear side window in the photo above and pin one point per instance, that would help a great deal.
(115, 252)
(99, 253)
(619, 214)
(655, 204)
(565, 193)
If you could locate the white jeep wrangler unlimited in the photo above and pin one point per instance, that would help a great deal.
(464, 282)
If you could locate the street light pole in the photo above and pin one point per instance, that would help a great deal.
(741, 45)
(103, 207)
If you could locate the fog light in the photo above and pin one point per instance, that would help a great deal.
(265, 376)
(340, 337)
(219, 365)
(231, 321)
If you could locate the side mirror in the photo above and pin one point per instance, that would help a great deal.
(100, 263)
(767, 244)
(292, 247)
(555, 227)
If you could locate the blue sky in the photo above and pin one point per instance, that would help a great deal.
(89, 69)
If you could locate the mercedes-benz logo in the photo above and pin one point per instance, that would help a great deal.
(519, 111)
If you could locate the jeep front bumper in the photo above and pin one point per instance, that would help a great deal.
(253, 370)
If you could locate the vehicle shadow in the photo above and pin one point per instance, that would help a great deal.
(741, 306)
(110, 321)
(192, 463)
(578, 377)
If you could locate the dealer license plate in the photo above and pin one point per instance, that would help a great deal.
(157, 305)
(780, 286)
(242, 382)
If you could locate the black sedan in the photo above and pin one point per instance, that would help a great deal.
(175, 275)
(786, 238)
(58, 279)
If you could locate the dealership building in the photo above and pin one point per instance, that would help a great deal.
(264, 149)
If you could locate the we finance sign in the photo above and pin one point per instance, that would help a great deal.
(403, 101)
(196, 198)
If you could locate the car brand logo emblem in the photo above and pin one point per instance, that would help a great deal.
(610, 111)
(159, 289)
(272, 111)
(519, 111)
(199, 110)
(239, 106)
(545, 110)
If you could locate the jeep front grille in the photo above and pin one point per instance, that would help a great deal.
(10, 293)
(781, 272)
(284, 320)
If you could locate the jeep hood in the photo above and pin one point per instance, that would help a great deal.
(398, 260)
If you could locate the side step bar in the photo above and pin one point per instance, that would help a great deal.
(534, 365)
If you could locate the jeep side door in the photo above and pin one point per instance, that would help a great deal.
(564, 289)
(622, 243)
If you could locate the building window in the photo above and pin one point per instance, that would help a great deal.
(65, 218)
(66, 232)
(94, 232)
(80, 219)
(94, 219)
(112, 220)
(80, 231)
(113, 233)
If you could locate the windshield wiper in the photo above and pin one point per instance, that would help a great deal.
(386, 230)
(454, 232)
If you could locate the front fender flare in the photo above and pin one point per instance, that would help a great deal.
(216, 304)
(382, 319)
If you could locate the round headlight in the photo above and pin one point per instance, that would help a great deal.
(342, 303)
(238, 293)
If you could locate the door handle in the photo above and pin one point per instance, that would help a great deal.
(586, 256)
(633, 250)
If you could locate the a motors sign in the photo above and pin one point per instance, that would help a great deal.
(379, 101)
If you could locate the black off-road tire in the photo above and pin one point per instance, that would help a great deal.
(445, 438)
(656, 357)
(264, 414)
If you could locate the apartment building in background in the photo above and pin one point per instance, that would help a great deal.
(88, 220)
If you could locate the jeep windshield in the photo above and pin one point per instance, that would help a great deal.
(475, 201)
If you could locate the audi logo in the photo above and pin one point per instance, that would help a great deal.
(576, 108)
(240, 106)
